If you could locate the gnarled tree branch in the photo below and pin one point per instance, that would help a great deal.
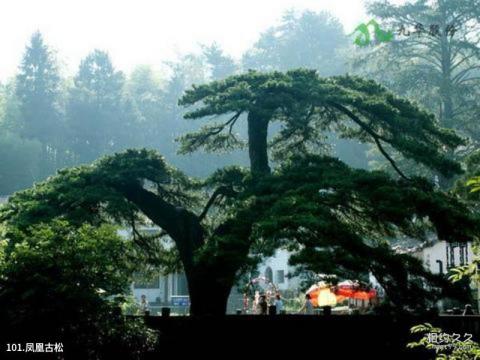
(376, 137)
(219, 192)
(182, 225)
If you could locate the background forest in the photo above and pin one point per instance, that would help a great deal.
(50, 121)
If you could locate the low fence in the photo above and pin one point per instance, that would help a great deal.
(343, 336)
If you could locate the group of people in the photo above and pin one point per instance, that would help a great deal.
(263, 303)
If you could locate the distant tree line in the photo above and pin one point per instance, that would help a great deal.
(50, 121)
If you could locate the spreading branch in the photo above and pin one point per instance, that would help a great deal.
(199, 139)
(222, 191)
(376, 137)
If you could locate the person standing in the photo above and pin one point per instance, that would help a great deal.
(255, 303)
(144, 307)
(269, 297)
(263, 305)
(246, 302)
(278, 304)
(307, 307)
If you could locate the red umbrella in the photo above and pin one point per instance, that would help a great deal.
(354, 290)
(356, 294)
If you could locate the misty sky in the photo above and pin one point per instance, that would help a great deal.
(146, 31)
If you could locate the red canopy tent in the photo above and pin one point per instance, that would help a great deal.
(356, 294)
(322, 294)
(354, 290)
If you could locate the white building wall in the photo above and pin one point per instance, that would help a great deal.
(438, 257)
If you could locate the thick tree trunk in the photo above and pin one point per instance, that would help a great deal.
(208, 293)
(446, 115)
(210, 279)
(446, 86)
(257, 142)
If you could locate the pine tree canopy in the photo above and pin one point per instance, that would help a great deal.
(333, 218)
(308, 106)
